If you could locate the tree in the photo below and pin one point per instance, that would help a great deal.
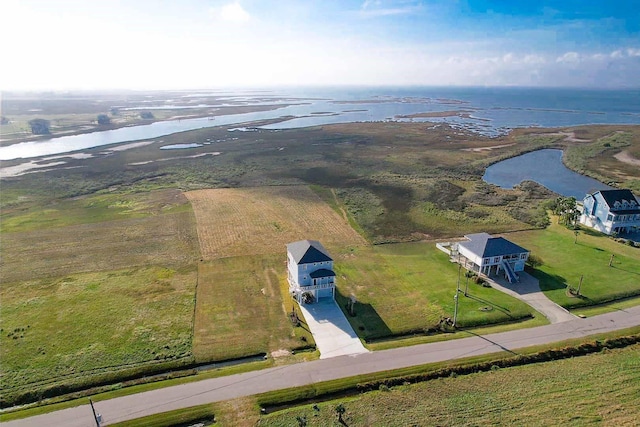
(4, 120)
(40, 126)
(340, 410)
(147, 115)
(567, 211)
(534, 261)
(103, 119)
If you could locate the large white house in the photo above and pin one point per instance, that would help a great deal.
(611, 211)
(310, 271)
(491, 255)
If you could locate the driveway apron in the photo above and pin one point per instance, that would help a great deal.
(331, 330)
(528, 291)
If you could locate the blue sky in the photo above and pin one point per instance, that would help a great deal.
(148, 44)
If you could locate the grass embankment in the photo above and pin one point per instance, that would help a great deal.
(390, 281)
(564, 262)
(598, 388)
(107, 288)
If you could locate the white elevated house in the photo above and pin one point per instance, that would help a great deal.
(611, 211)
(491, 255)
(310, 271)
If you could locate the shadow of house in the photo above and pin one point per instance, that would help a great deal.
(549, 282)
(365, 322)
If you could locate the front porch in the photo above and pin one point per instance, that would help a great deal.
(311, 293)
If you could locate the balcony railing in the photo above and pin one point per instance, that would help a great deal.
(315, 287)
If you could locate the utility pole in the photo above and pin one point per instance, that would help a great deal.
(580, 284)
(466, 286)
(96, 416)
(455, 310)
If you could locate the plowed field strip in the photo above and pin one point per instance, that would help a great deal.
(252, 221)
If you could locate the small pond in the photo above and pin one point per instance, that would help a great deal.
(544, 167)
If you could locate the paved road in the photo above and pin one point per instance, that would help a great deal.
(528, 291)
(331, 330)
(217, 389)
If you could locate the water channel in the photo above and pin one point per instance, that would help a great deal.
(544, 167)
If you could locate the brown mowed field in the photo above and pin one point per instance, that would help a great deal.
(260, 221)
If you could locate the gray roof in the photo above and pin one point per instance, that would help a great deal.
(308, 251)
(613, 196)
(485, 246)
(323, 272)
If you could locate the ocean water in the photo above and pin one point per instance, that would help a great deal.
(487, 111)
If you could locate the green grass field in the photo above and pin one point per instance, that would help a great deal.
(598, 389)
(406, 288)
(565, 261)
(95, 285)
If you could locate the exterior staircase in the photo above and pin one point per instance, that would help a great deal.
(511, 275)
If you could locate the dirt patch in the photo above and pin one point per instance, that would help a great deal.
(626, 157)
(280, 353)
(569, 136)
(488, 148)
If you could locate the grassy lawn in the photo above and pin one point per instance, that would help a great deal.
(407, 287)
(565, 261)
(600, 388)
(240, 309)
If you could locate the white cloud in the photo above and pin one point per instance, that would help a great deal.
(375, 8)
(633, 52)
(617, 54)
(232, 12)
(569, 58)
(369, 3)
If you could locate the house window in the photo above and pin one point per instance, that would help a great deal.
(496, 259)
(523, 256)
(609, 217)
(485, 261)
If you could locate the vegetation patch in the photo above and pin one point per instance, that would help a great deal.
(57, 331)
(240, 310)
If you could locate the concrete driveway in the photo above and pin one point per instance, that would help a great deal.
(331, 330)
(528, 291)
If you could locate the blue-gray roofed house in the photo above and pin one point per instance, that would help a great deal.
(309, 271)
(611, 211)
(491, 255)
